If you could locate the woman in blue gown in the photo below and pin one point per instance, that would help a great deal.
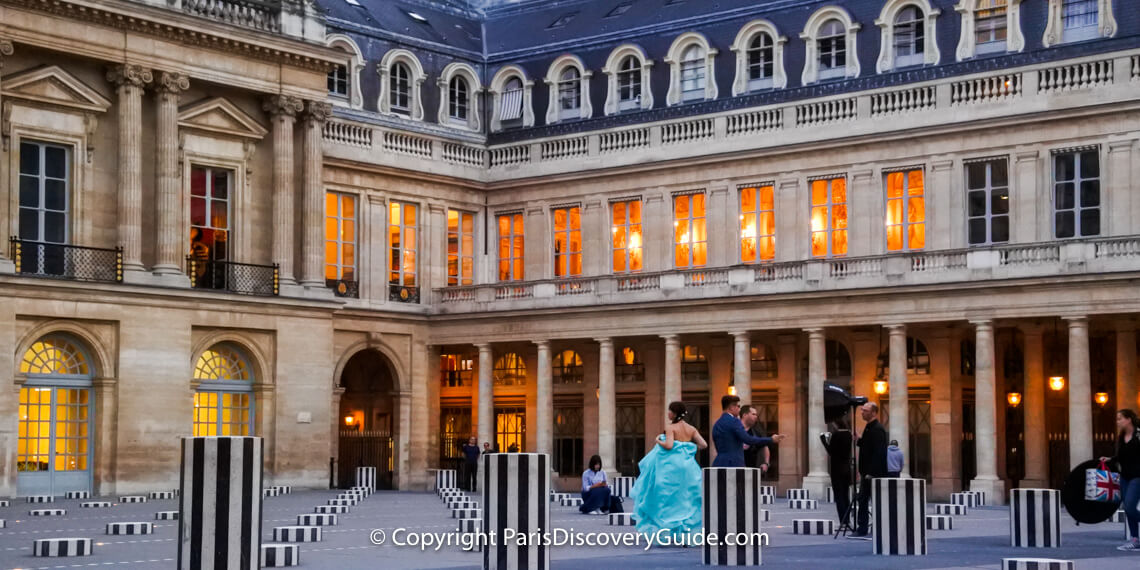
(667, 493)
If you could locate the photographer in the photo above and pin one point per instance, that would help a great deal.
(837, 442)
(872, 463)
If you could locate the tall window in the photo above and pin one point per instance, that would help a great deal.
(629, 440)
(458, 100)
(693, 73)
(568, 440)
(567, 242)
(757, 224)
(54, 411)
(570, 93)
(400, 88)
(223, 403)
(629, 367)
(909, 36)
(340, 239)
(511, 247)
(829, 217)
(1079, 15)
(832, 45)
(626, 217)
(906, 210)
(460, 248)
(690, 238)
(210, 194)
(510, 370)
(763, 360)
(987, 201)
(694, 365)
(510, 429)
(455, 370)
(1076, 193)
(455, 428)
(990, 25)
(338, 80)
(511, 103)
(761, 60)
(402, 239)
(629, 84)
(44, 183)
(567, 368)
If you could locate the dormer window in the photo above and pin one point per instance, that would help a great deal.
(761, 62)
(627, 80)
(629, 84)
(759, 50)
(994, 26)
(990, 26)
(401, 75)
(459, 102)
(832, 45)
(400, 88)
(569, 94)
(909, 37)
(338, 81)
(569, 90)
(344, 76)
(830, 36)
(693, 74)
(512, 102)
(458, 99)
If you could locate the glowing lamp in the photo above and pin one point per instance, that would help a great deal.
(1057, 383)
(1014, 398)
(348, 420)
(1101, 398)
(732, 390)
(881, 387)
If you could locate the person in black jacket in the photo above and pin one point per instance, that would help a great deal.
(1127, 463)
(872, 463)
(837, 441)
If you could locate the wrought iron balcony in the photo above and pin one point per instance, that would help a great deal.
(63, 261)
(233, 277)
(402, 294)
(344, 287)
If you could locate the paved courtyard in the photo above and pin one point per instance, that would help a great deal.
(979, 539)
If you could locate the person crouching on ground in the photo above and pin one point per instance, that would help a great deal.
(1127, 462)
(595, 489)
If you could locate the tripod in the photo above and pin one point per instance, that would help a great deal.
(846, 522)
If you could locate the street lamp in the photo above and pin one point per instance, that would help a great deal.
(1014, 398)
(881, 387)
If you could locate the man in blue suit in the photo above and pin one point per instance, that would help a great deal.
(729, 435)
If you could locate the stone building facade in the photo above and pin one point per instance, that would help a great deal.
(367, 230)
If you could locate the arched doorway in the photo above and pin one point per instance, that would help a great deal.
(368, 416)
(54, 446)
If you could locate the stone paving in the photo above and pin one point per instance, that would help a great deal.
(979, 539)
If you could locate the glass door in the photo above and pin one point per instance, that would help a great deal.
(54, 447)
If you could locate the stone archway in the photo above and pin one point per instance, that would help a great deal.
(369, 419)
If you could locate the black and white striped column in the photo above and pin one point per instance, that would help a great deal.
(1035, 518)
(220, 489)
(55, 547)
(622, 486)
(130, 528)
(515, 491)
(280, 555)
(731, 505)
(445, 479)
(899, 506)
(366, 477)
(1036, 564)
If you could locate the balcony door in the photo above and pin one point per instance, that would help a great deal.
(211, 194)
(45, 177)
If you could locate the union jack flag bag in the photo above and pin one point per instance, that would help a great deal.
(1102, 485)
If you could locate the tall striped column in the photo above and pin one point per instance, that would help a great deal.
(1035, 518)
(221, 481)
(731, 506)
(900, 516)
(516, 500)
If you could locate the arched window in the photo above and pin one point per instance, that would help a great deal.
(567, 368)
(570, 93)
(629, 367)
(990, 25)
(510, 370)
(1079, 20)
(568, 86)
(338, 80)
(764, 364)
(832, 46)
(512, 103)
(830, 36)
(693, 73)
(55, 355)
(223, 402)
(838, 362)
(761, 61)
(629, 84)
(458, 99)
(627, 80)
(459, 104)
(759, 50)
(694, 365)
(917, 359)
(909, 37)
(400, 89)
(344, 77)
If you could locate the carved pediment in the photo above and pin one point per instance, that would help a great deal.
(53, 86)
(217, 115)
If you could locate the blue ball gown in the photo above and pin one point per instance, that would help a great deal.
(667, 493)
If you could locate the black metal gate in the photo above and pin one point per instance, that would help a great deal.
(365, 449)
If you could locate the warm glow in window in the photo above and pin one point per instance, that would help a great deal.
(455, 370)
(690, 236)
(629, 367)
(223, 404)
(829, 217)
(340, 236)
(54, 355)
(990, 21)
(567, 368)
(626, 218)
(68, 417)
(221, 362)
(402, 235)
(906, 211)
(460, 248)
(567, 242)
(511, 247)
(510, 370)
(757, 224)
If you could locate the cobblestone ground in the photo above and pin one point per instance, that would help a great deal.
(979, 539)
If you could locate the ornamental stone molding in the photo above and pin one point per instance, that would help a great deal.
(287, 105)
(318, 111)
(129, 75)
(172, 82)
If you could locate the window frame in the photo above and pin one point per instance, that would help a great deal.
(830, 49)
(564, 264)
(699, 67)
(400, 88)
(1077, 210)
(988, 190)
(446, 116)
(398, 250)
(569, 95)
(627, 227)
(338, 241)
(390, 85)
(813, 70)
(615, 70)
(460, 279)
(41, 178)
(756, 214)
(629, 83)
(829, 231)
(690, 219)
(517, 258)
(904, 223)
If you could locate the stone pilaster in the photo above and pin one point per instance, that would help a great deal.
(130, 80)
(544, 400)
(313, 197)
(6, 49)
(900, 393)
(1126, 366)
(484, 402)
(1080, 393)
(817, 479)
(168, 200)
(672, 369)
(607, 405)
(985, 428)
(742, 365)
(283, 110)
(1033, 400)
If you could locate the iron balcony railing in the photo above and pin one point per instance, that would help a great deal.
(233, 277)
(403, 294)
(64, 261)
(344, 287)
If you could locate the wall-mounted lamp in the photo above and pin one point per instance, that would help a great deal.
(732, 390)
(1101, 398)
(1014, 398)
(1057, 383)
(881, 387)
(349, 421)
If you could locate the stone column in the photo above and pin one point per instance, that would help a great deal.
(1126, 366)
(672, 369)
(6, 265)
(900, 393)
(171, 240)
(607, 406)
(313, 200)
(817, 480)
(1033, 400)
(742, 365)
(130, 80)
(544, 399)
(283, 111)
(1080, 392)
(985, 438)
(945, 467)
(790, 411)
(484, 401)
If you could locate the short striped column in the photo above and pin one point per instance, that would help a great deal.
(515, 490)
(968, 499)
(829, 495)
(331, 509)
(270, 492)
(959, 510)
(939, 522)
(95, 505)
(163, 495)
(445, 479)
(470, 525)
(1035, 518)
(623, 486)
(78, 495)
(900, 516)
(571, 502)
(366, 477)
(297, 534)
(166, 516)
(813, 526)
(280, 555)
(132, 499)
(558, 497)
(130, 528)
(803, 504)
(466, 513)
(2, 523)
(220, 492)
(622, 519)
(47, 512)
(54, 547)
(731, 505)
(798, 494)
(316, 519)
(1036, 564)
(40, 499)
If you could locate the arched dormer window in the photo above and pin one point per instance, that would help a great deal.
(989, 26)
(459, 97)
(511, 99)
(569, 88)
(401, 76)
(830, 36)
(344, 77)
(691, 72)
(908, 35)
(1078, 20)
(627, 71)
(759, 52)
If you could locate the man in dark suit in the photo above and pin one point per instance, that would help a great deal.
(757, 456)
(729, 436)
(872, 463)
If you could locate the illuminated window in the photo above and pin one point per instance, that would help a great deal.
(511, 247)
(690, 237)
(53, 419)
(55, 355)
(764, 365)
(510, 429)
(906, 211)
(1076, 193)
(990, 24)
(403, 244)
(400, 88)
(455, 429)
(829, 217)
(567, 242)
(909, 37)
(694, 365)
(455, 370)
(210, 195)
(629, 367)
(832, 46)
(460, 248)
(567, 368)
(510, 370)
(340, 237)
(223, 402)
(626, 220)
(757, 224)
(987, 201)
